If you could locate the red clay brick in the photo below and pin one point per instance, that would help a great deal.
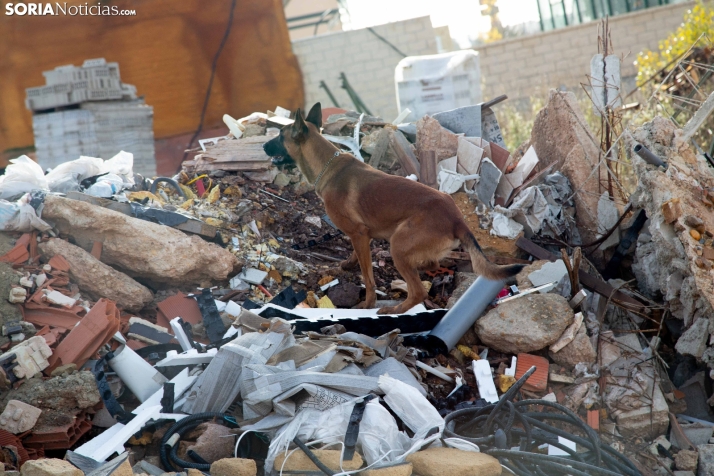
(538, 382)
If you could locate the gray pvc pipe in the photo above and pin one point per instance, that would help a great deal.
(648, 156)
(467, 311)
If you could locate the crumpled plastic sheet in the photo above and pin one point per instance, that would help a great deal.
(542, 209)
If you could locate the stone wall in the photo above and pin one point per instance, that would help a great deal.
(367, 61)
(530, 65)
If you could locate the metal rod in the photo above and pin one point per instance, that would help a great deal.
(323, 85)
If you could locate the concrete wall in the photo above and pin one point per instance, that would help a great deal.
(367, 61)
(526, 66)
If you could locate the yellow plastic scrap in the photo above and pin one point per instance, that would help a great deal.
(427, 285)
(187, 204)
(325, 280)
(197, 179)
(505, 382)
(273, 243)
(214, 222)
(325, 303)
(468, 352)
(141, 196)
(214, 194)
(145, 439)
(187, 191)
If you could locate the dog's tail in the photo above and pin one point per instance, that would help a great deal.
(480, 263)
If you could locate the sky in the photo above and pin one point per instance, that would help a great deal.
(463, 16)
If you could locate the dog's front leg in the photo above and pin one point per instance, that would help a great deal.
(350, 262)
(364, 257)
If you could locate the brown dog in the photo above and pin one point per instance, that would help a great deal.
(421, 224)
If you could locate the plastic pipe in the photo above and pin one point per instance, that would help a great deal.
(466, 312)
(142, 379)
(648, 156)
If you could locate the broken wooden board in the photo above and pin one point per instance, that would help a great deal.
(197, 227)
(589, 281)
(380, 149)
(233, 155)
(405, 155)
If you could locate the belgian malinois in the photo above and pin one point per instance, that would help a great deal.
(421, 224)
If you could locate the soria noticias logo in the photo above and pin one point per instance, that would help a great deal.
(57, 8)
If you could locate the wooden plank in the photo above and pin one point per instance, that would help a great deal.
(249, 149)
(589, 281)
(428, 168)
(405, 155)
(207, 166)
(197, 227)
(381, 148)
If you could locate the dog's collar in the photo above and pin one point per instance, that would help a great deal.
(324, 169)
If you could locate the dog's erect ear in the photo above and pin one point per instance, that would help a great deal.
(315, 115)
(299, 131)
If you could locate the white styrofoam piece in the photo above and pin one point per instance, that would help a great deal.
(181, 337)
(512, 369)
(553, 451)
(233, 308)
(102, 447)
(327, 286)
(232, 331)
(182, 382)
(190, 357)
(220, 305)
(484, 380)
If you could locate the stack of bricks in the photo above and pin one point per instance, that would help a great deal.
(88, 111)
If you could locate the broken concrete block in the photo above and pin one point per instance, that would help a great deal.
(17, 295)
(234, 467)
(298, 461)
(580, 349)
(671, 210)
(569, 333)
(686, 460)
(694, 340)
(443, 461)
(432, 136)
(526, 324)
(96, 279)
(19, 417)
(706, 460)
(49, 467)
(560, 136)
(490, 176)
(398, 470)
(31, 357)
(142, 249)
(648, 421)
(549, 272)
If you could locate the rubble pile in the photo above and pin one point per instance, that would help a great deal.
(203, 323)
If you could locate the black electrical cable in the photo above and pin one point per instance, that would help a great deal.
(210, 81)
(312, 457)
(169, 457)
(488, 425)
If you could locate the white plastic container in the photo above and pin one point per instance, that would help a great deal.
(436, 83)
(142, 379)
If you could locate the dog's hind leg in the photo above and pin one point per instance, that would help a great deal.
(364, 256)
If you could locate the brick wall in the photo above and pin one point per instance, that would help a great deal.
(522, 67)
(367, 62)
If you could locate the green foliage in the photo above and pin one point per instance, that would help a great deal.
(697, 21)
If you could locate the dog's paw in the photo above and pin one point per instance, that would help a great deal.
(389, 310)
(347, 265)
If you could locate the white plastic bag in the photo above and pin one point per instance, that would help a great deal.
(23, 175)
(67, 176)
(106, 186)
(411, 407)
(20, 216)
